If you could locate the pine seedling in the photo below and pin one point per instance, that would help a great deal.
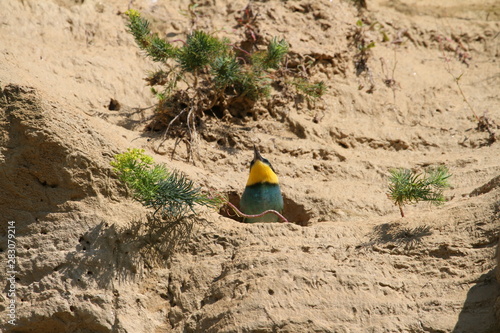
(215, 73)
(406, 187)
(256, 81)
(276, 52)
(171, 195)
(226, 71)
(209, 59)
(272, 57)
(154, 46)
(254, 85)
(138, 171)
(200, 50)
(176, 197)
(139, 28)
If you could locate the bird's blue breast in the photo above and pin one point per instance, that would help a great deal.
(260, 197)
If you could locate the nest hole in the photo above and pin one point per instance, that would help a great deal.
(226, 211)
(293, 211)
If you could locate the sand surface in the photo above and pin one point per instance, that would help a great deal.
(347, 262)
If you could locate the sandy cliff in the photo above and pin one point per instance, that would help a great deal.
(87, 258)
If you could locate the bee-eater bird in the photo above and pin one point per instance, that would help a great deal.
(262, 191)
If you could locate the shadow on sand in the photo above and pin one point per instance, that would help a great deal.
(394, 235)
(109, 253)
(478, 311)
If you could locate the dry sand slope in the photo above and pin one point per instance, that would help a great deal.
(86, 261)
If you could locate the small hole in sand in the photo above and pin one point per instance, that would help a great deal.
(294, 212)
(114, 105)
(227, 211)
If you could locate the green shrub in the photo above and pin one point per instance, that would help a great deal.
(407, 187)
(209, 59)
(171, 195)
(215, 72)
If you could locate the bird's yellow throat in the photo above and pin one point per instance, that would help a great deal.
(260, 172)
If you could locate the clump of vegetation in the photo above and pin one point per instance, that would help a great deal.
(312, 91)
(407, 187)
(216, 75)
(171, 195)
(209, 67)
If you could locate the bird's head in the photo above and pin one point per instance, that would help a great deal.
(261, 170)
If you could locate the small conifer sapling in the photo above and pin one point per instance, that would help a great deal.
(171, 195)
(217, 74)
(406, 187)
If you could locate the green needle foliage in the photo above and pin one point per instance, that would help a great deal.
(214, 72)
(272, 57)
(407, 187)
(176, 197)
(276, 51)
(308, 89)
(200, 50)
(209, 58)
(139, 172)
(216, 76)
(157, 48)
(170, 194)
(226, 71)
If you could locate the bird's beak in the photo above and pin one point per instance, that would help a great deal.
(257, 156)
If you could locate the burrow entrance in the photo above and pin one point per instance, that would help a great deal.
(293, 211)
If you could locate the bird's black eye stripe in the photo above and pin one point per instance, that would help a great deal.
(265, 160)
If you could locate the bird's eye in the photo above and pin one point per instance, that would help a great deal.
(266, 161)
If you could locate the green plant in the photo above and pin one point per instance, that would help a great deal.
(139, 172)
(407, 187)
(311, 91)
(171, 195)
(215, 75)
